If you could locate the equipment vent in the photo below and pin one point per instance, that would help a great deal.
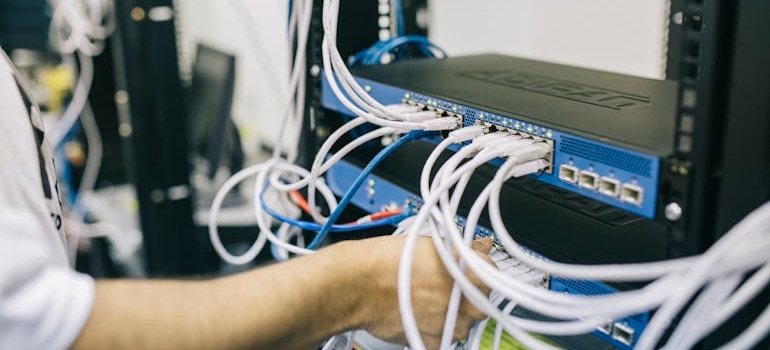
(588, 288)
(608, 156)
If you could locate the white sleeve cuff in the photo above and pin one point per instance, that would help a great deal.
(47, 312)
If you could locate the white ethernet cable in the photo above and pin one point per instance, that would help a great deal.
(300, 19)
(79, 97)
(545, 292)
(301, 16)
(265, 230)
(216, 242)
(87, 181)
(78, 27)
(475, 211)
(455, 137)
(709, 299)
(276, 169)
(526, 168)
(262, 221)
(95, 152)
(743, 295)
(285, 233)
(320, 165)
(586, 328)
(338, 76)
(633, 271)
(317, 169)
(410, 326)
(751, 335)
(81, 25)
(588, 311)
(522, 292)
(542, 165)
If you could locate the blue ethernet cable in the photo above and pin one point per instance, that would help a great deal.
(411, 136)
(312, 226)
(422, 43)
(373, 54)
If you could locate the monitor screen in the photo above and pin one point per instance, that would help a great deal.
(213, 134)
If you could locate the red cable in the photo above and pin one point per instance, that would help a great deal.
(300, 201)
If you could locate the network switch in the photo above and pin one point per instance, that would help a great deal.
(381, 193)
(609, 132)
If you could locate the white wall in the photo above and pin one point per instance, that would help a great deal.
(256, 32)
(627, 36)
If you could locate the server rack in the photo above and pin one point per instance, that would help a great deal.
(153, 123)
(715, 177)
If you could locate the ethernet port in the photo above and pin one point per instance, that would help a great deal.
(568, 173)
(623, 333)
(491, 128)
(606, 328)
(632, 194)
(609, 186)
(589, 180)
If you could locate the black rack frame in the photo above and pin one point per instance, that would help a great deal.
(718, 52)
(153, 123)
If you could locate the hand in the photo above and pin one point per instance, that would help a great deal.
(431, 289)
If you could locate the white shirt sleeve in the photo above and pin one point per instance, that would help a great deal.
(43, 303)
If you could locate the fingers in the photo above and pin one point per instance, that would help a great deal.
(482, 245)
(464, 326)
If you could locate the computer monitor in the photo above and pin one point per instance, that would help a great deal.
(213, 133)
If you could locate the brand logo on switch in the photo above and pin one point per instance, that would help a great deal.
(562, 89)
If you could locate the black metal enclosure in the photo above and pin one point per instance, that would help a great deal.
(718, 173)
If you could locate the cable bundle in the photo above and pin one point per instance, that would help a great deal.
(77, 31)
(279, 174)
(713, 281)
(716, 274)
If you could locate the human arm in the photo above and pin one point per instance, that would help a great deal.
(292, 305)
